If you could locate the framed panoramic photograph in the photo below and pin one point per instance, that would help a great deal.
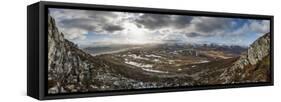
(82, 50)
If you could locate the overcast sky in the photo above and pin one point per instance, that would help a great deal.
(86, 27)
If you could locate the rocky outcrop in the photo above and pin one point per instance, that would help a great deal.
(67, 68)
(253, 65)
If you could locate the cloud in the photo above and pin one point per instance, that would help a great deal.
(112, 28)
(211, 24)
(158, 21)
(82, 23)
(153, 21)
(79, 25)
(193, 34)
(181, 21)
(75, 24)
(75, 33)
(260, 26)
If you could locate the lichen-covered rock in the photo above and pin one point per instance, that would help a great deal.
(68, 68)
(259, 49)
(252, 65)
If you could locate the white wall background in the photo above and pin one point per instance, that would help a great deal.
(13, 51)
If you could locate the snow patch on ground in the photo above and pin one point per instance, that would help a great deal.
(174, 52)
(204, 61)
(171, 61)
(156, 60)
(137, 57)
(145, 67)
(155, 71)
(152, 55)
(139, 64)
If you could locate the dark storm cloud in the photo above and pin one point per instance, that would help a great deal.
(182, 21)
(89, 25)
(153, 21)
(193, 34)
(81, 23)
(158, 21)
(94, 21)
(103, 20)
(112, 28)
(101, 14)
(202, 26)
(209, 25)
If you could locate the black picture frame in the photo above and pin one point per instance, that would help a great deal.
(37, 48)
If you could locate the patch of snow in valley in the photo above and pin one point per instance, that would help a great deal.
(139, 64)
(114, 51)
(152, 55)
(156, 60)
(171, 61)
(155, 71)
(204, 61)
(137, 57)
(174, 52)
(145, 67)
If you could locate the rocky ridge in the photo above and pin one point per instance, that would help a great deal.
(252, 66)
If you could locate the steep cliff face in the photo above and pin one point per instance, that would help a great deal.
(253, 65)
(66, 64)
